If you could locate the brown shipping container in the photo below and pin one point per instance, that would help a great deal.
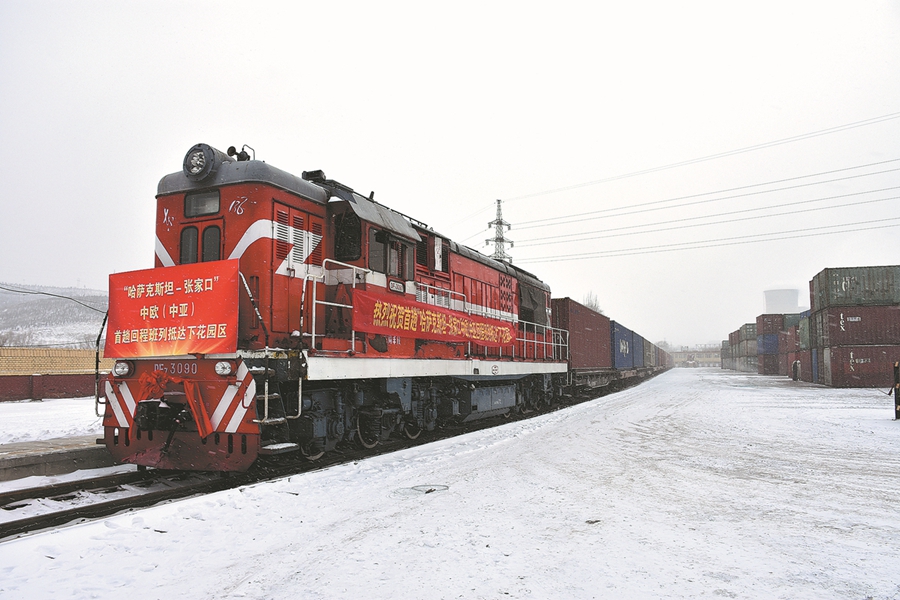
(859, 326)
(766, 324)
(856, 286)
(805, 358)
(767, 364)
(589, 334)
(859, 366)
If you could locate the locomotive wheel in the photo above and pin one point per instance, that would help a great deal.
(367, 432)
(515, 410)
(411, 429)
(310, 452)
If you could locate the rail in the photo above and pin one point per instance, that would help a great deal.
(545, 342)
(533, 341)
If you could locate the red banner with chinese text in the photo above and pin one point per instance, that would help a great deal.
(173, 311)
(408, 318)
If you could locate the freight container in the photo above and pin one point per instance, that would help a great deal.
(767, 364)
(638, 345)
(747, 348)
(767, 343)
(858, 326)
(859, 366)
(622, 350)
(768, 324)
(747, 332)
(589, 334)
(806, 371)
(813, 332)
(648, 354)
(784, 363)
(815, 365)
(791, 320)
(856, 286)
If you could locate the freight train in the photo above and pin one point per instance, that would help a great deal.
(290, 314)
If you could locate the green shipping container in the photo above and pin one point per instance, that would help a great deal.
(856, 286)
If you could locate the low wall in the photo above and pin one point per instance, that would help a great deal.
(39, 373)
(40, 387)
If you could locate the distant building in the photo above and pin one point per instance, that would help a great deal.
(699, 356)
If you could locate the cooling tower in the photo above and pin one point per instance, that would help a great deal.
(782, 302)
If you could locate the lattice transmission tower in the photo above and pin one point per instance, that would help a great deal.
(500, 240)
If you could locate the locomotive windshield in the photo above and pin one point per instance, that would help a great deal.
(201, 203)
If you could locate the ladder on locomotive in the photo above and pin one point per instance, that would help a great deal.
(271, 413)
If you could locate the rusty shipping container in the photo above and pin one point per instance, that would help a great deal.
(589, 334)
(858, 326)
(855, 286)
(859, 366)
(806, 370)
(769, 324)
(767, 364)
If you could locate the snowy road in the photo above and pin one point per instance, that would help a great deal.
(699, 483)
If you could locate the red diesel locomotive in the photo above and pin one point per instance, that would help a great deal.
(291, 313)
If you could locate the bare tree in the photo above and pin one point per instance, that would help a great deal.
(592, 302)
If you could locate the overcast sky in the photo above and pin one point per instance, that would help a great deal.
(443, 109)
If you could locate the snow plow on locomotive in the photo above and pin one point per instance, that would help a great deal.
(289, 314)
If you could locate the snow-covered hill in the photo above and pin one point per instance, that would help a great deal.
(50, 316)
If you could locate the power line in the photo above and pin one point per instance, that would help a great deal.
(573, 237)
(788, 140)
(655, 203)
(715, 243)
(35, 293)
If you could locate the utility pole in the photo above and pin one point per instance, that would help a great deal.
(499, 238)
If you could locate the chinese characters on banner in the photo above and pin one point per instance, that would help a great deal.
(171, 311)
(407, 318)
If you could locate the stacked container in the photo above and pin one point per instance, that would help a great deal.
(854, 328)
(767, 329)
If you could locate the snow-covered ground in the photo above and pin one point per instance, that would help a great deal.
(28, 421)
(697, 484)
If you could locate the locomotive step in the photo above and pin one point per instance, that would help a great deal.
(261, 371)
(281, 448)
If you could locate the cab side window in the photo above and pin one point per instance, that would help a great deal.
(391, 256)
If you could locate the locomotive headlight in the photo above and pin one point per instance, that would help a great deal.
(195, 162)
(202, 160)
(123, 368)
(223, 368)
